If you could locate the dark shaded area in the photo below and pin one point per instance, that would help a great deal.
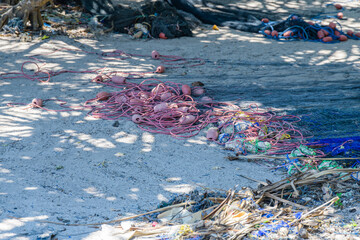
(71, 2)
(159, 16)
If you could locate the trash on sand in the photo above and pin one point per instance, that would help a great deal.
(272, 208)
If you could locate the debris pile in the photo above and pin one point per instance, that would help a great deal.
(288, 208)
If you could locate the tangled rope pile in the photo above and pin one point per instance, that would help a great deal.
(295, 28)
(159, 107)
(181, 111)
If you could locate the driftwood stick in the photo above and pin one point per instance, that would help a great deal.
(325, 205)
(255, 180)
(220, 206)
(284, 201)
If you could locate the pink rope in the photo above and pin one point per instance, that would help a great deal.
(43, 75)
(162, 107)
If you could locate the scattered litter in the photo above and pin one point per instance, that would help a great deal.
(25, 37)
(44, 37)
(273, 208)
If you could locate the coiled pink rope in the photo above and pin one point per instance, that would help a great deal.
(162, 107)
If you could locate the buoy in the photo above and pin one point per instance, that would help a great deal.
(332, 25)
(212, 134)
(337, 33)
(160, 69)
(98, 78)
(327, 39)
(103, 96)
(160, 107)
(183, 109)
(206, 99)
(288, 34)
(350, 33)
(275, 33)
(166, 96)
(215, 28)
(155, 54)
(118, 80)
(265, 20)
(187, 119)
(338, 6)
(343, 38)
(37, 102)
(340, 15)
(136, 118)
(186, 89)
(197, 91)
(326, 33)
(320, 34)
(162, 35)
(267, 32)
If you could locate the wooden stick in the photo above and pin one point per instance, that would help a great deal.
(260, 199)
(252, 179)
(331, 201)
(284, 201)
(218, 207)
(297, 167)
(296, 192)
(305, 178)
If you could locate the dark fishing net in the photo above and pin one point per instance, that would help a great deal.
(297, 25)
(158, 17)
(295, 28)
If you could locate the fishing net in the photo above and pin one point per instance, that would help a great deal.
(295, 28)
(155, 18)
